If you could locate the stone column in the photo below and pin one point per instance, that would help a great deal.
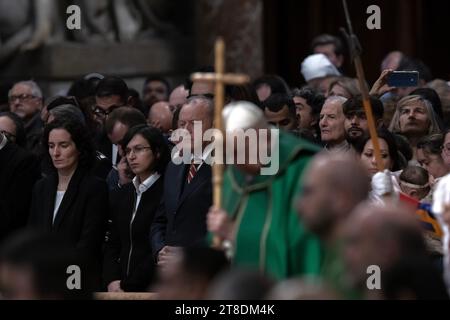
(239, 22)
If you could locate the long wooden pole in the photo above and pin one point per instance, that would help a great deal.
(219, 100)
(352, 40)
(220, 79)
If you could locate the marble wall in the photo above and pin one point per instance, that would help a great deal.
(239, 22)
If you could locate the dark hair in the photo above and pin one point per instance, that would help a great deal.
(277, 101)
(57, 101)
(354, 105)
(158, 79)
(415, 276)
(241, 284)
(5, 87)
(431, 144)
(204, 262)
(325, 39)
(403, 147)
(156, 141)
(79, 135)
(276, 83)
(176, 116)
(313, 98)
(84, 88)
(410, 64)
(48, 257)
(415, 175)
(21, 138)
(128, 116)
(390, 141)
(136, 101)
(244, 92)
(432, 96)
(112, 86)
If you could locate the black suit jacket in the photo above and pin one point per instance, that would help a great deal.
(81, 217)
(127, 246)
(19, 170)
(104, 145)
(181, 216)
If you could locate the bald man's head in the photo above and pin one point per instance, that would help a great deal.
(178, 97)
(160, 116)
(333, 185)
(381, 236)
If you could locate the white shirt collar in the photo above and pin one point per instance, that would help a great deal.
(144, 186)
(3, 142)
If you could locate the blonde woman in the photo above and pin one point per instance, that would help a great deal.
(414, 118)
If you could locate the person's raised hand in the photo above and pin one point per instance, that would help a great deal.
(380, 86)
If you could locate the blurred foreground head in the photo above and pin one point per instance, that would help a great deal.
(36, 266)
(240, 284)
(301, 289)
(333, 185)
(390, 238)
(190, 273)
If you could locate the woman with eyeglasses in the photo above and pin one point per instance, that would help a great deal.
(128, 261)
(71, 201)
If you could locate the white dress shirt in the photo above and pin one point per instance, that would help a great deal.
(141, 188)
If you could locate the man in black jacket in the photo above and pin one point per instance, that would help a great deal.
(19, 170)
(181, 218)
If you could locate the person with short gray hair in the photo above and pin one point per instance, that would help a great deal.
(26, 100)
(332, 124)
(66, 110)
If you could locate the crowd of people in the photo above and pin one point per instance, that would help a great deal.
(89, 179)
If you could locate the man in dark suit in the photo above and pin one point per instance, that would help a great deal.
(111, 94)
(181, 218)
(19, 170)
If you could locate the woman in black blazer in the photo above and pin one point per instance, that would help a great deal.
(71, 201)
(128, 262)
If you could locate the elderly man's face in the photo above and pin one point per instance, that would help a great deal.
(189, 114)
(23, 103)
(332, 122)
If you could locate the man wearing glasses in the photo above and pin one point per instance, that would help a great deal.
(111, 94)
(25, 100)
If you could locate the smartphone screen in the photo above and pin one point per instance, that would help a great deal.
(403, 79)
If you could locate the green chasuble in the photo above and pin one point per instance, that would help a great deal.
(269, 235)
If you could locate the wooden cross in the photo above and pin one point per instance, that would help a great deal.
(220, 79)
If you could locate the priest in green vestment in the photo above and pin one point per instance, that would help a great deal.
(258, 223)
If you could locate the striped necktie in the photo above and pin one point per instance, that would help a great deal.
(192, 171)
